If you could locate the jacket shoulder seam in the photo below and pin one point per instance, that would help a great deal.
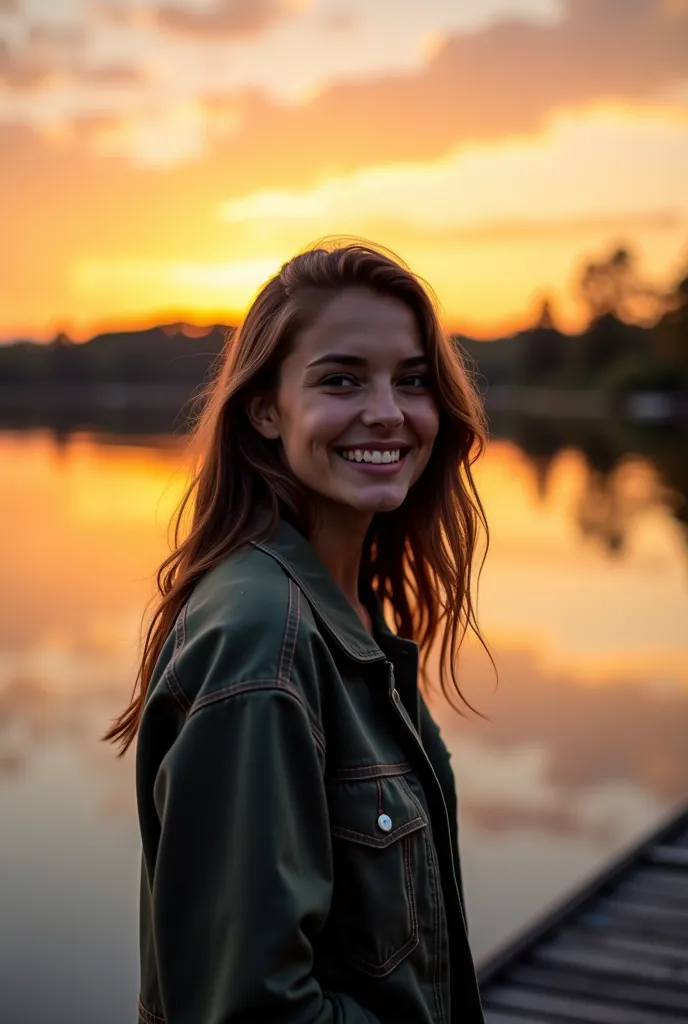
(225, 693)
(291, 629)
(286, 662)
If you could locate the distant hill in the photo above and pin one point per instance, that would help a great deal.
(171, 354)
(611, 355)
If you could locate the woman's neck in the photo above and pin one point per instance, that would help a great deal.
(338, 541)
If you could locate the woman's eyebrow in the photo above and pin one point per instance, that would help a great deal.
(341, 359)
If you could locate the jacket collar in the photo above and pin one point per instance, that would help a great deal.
(299, 560)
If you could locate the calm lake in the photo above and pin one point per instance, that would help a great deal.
(583, 601)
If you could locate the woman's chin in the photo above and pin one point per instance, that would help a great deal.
(380, 502)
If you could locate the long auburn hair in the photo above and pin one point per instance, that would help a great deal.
(418, 558)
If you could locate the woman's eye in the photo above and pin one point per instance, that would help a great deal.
(338, 380)
(414, 380)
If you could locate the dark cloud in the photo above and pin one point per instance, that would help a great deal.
(504, 80)
(109, 13)
(64, 38)
(110, 74)
(340, 21)
(22, 70)
(49, 52)
(224, 17)
(12, 763)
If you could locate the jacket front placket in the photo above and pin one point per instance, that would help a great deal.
(402, 694)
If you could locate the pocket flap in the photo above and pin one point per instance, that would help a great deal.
(374, 812)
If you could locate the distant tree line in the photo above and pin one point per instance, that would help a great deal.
(176, 355)
(636, 339)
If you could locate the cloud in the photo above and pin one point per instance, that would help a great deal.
(115, 15)
(505, 80)
(22, 70)
(66, 37)
(110, 74)
(50, 52)
(340, 21)
(436, 214)
(224, 17)
(531, 230)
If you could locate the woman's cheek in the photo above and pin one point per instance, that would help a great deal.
(428, 422)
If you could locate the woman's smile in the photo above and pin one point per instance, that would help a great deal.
(375, 459)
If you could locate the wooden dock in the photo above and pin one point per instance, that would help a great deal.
(616, 952)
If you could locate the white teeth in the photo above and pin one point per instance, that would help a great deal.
(375, 456)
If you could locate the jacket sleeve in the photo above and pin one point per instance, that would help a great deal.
(243, 873)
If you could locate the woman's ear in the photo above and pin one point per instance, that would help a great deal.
(262, 413)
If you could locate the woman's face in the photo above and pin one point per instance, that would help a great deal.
(354, 410)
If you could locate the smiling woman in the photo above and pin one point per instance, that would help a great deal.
(296, 801)
(366, 397)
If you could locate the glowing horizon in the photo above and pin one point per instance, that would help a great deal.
(163, 164)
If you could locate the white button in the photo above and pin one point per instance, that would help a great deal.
(385, 822)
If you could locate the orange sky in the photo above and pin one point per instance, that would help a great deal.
(161, 159)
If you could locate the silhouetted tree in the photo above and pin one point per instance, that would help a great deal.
(670, 335)
(613, 287)
(615, 350)
(543, 348)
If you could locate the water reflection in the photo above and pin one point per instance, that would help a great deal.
(607, 447)
(584, 602)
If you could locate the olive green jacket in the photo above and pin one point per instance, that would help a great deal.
(297, 812)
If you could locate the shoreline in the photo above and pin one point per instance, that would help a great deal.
(112, 398)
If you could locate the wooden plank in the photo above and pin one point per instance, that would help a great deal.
(549, 922)
(655, 889)
(635, 923)
(676, 856)
(650, 930)
(631, 993)
(671, 954)
(648, 898)
(589, 1011)
(633, 908)
(499, 1017)
(657, 873)
(614, 965)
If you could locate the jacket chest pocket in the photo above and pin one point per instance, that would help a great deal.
(378, 847)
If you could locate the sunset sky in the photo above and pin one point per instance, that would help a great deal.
(160, 159)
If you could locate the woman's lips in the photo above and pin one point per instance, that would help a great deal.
(376, 468)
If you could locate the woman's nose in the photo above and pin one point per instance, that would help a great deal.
(382, 408)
